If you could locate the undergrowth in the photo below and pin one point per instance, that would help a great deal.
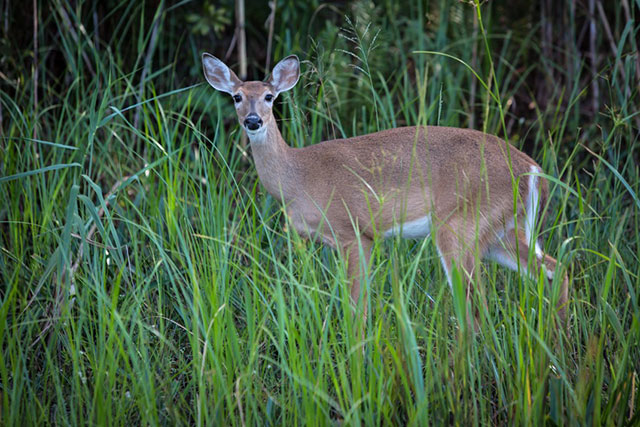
(148, 278)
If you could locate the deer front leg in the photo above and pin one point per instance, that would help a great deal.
(358, 254)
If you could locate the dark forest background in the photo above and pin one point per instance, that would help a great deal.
(554, 50)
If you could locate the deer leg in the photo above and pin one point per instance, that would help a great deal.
(358, 255)
(453, 251)
(504, 253)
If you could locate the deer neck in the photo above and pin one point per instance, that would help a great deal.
(273, 159)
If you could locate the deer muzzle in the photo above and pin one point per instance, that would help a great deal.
(253, 122)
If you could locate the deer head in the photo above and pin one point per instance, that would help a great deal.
(253, 99)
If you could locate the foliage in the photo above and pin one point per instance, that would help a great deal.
(211, 18)
(147, 278)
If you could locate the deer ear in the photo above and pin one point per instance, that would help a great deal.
(219, 75)
(285, 74)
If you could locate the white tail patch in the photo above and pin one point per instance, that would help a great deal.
(531, 210)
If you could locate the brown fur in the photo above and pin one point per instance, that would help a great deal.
(347, 192)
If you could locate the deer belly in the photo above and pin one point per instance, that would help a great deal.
(416, 229)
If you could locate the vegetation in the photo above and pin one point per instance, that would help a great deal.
(147, 278)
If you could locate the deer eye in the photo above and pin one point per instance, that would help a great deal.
(268, 97)
(237, 98)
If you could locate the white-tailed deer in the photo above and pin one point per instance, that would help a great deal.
(480, 197)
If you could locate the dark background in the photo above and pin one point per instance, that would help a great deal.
(566, 55)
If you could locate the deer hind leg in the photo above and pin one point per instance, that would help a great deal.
(454, 250)
(513, 250)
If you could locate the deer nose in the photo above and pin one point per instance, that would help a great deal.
(253, 122)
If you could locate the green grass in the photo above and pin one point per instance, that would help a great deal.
(147, 277)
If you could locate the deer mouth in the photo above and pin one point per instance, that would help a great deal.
(256, 135)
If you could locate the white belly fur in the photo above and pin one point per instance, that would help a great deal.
(416, 229)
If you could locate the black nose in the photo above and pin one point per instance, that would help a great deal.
(253, 122)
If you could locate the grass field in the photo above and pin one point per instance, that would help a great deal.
(147, 277)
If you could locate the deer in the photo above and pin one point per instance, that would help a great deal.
(477, 196)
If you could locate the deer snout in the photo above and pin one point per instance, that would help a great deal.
(253, 122)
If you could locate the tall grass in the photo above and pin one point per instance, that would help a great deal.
(148, 278)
